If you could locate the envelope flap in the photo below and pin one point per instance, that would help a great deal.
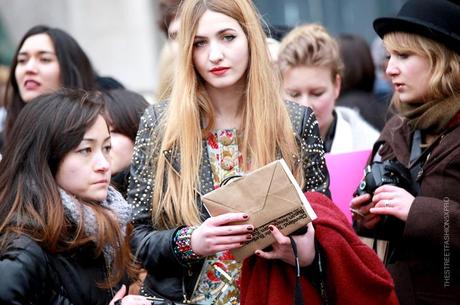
(247, 194)
(270, 195)
(282, 187)
(286, 187)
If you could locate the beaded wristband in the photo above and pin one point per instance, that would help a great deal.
(183, 245)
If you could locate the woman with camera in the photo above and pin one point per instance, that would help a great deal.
(423, 42)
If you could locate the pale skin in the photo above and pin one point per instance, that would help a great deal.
(387, 200)
(85, 171)
(220, 42)
(121, 152)
(313, 86)
(129, 299)
(217, 234)
(37, 71)
(282, 248)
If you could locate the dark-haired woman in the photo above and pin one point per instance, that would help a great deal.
(124, 110)
(358, 80)
(63, 229)
(45, 60)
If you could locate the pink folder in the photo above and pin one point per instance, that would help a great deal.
(346, 172)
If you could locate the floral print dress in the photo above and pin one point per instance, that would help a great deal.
(219, 280)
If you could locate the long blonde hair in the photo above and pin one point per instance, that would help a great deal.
(444, 62)
(167, 66)
(266, 129)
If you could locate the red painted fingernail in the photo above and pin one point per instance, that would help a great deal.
(257, 253)
(249, 236)
(250, 228)
(271, 228)
(245, 216)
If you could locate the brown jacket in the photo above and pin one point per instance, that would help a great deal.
(426, 260)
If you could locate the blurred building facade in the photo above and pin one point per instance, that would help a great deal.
(119, 36)
(122, 40)
(338, 16)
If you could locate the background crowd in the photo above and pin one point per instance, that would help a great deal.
(100, 189)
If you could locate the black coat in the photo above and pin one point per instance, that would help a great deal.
(30, 275)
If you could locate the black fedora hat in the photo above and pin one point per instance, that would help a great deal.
(436, 19)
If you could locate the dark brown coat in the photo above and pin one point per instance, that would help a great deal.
(426, 266)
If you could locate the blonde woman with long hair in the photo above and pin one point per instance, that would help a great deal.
(226, 116)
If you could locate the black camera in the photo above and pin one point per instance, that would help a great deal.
(386, 172)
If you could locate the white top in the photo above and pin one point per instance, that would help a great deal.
(352, 132)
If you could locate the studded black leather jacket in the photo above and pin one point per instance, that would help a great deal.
(167, 276)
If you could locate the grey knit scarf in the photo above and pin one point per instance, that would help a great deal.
(115, 202)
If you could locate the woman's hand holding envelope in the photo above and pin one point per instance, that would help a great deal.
(282, 249)
(218, 234)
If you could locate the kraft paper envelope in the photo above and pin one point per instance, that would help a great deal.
(269, 195)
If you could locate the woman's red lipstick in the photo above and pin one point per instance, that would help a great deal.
(219, 70)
